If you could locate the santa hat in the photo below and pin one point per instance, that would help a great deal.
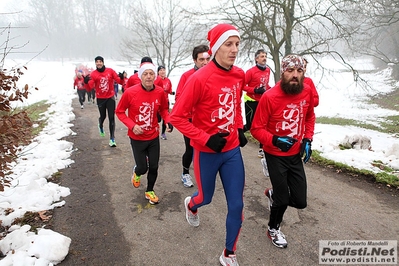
(146, 66)
(218, 35)
(292, 61)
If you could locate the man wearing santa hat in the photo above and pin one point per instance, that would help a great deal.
(212, 96)
(143, 102)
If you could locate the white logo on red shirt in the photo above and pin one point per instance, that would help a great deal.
(292, 117)
(225, 113)
(103, 84)
(144, 119)
(263, 81)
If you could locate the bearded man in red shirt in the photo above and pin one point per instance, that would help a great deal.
(284, 123)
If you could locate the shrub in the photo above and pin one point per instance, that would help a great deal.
(14, 126)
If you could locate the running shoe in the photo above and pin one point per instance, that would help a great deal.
(163, 136)
(112, 143)
(264, 167)
(152, 198)
(135, 178)
(261, 154)
(269, 193)
(231, 260)
(277, 238)
(101, 130)
(186, 179)
(192, 218)
(82, 106)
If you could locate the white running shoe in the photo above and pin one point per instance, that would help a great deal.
(264, 167)
(192, 219)
(186, 179)
(269, 193)
(277, 238)
(231, 260)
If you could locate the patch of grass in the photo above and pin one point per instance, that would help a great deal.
(335, 121)
(348, 122)
(33, 219)
(389, 125)
(382, 166)
(249, 137)
(386, 177)
(35, 113)
(320, 160)
(388, 101)
(389, 179)
(55, 178)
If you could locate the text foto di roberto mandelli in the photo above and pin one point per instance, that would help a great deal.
(360, 251)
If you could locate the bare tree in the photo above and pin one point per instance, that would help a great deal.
(164, 32)
(311, 28)
(74, 29)
(50, 23)
(92, 18)
(380, 34)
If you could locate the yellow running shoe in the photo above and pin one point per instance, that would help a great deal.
(135, 178)
(150, 195)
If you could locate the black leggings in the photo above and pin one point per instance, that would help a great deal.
(105, 105)
(250, 109)
(163, 123)
(187, 157)
(91, 95)
(82, 96)
(143, 149)
(288, 179)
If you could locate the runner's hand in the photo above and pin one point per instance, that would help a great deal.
(241, 137)
(283, 143)
(217, 141)
(306, 149)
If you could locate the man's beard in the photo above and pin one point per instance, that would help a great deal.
(292, 89)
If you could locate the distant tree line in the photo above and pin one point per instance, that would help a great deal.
(168, 30)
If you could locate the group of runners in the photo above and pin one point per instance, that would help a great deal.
(207, 111)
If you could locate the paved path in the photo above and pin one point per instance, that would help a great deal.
(111, 223)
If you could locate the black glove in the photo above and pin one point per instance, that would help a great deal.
(121, 75)
(283, 143)
(170, 127)
(306, 149)
(241, 137)
(217, 141)
(260, 90)
(86, 79)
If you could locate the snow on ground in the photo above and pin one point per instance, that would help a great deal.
(49, 152)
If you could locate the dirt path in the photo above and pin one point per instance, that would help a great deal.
(111, 223)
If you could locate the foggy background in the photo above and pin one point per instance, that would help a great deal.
(168, 30)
